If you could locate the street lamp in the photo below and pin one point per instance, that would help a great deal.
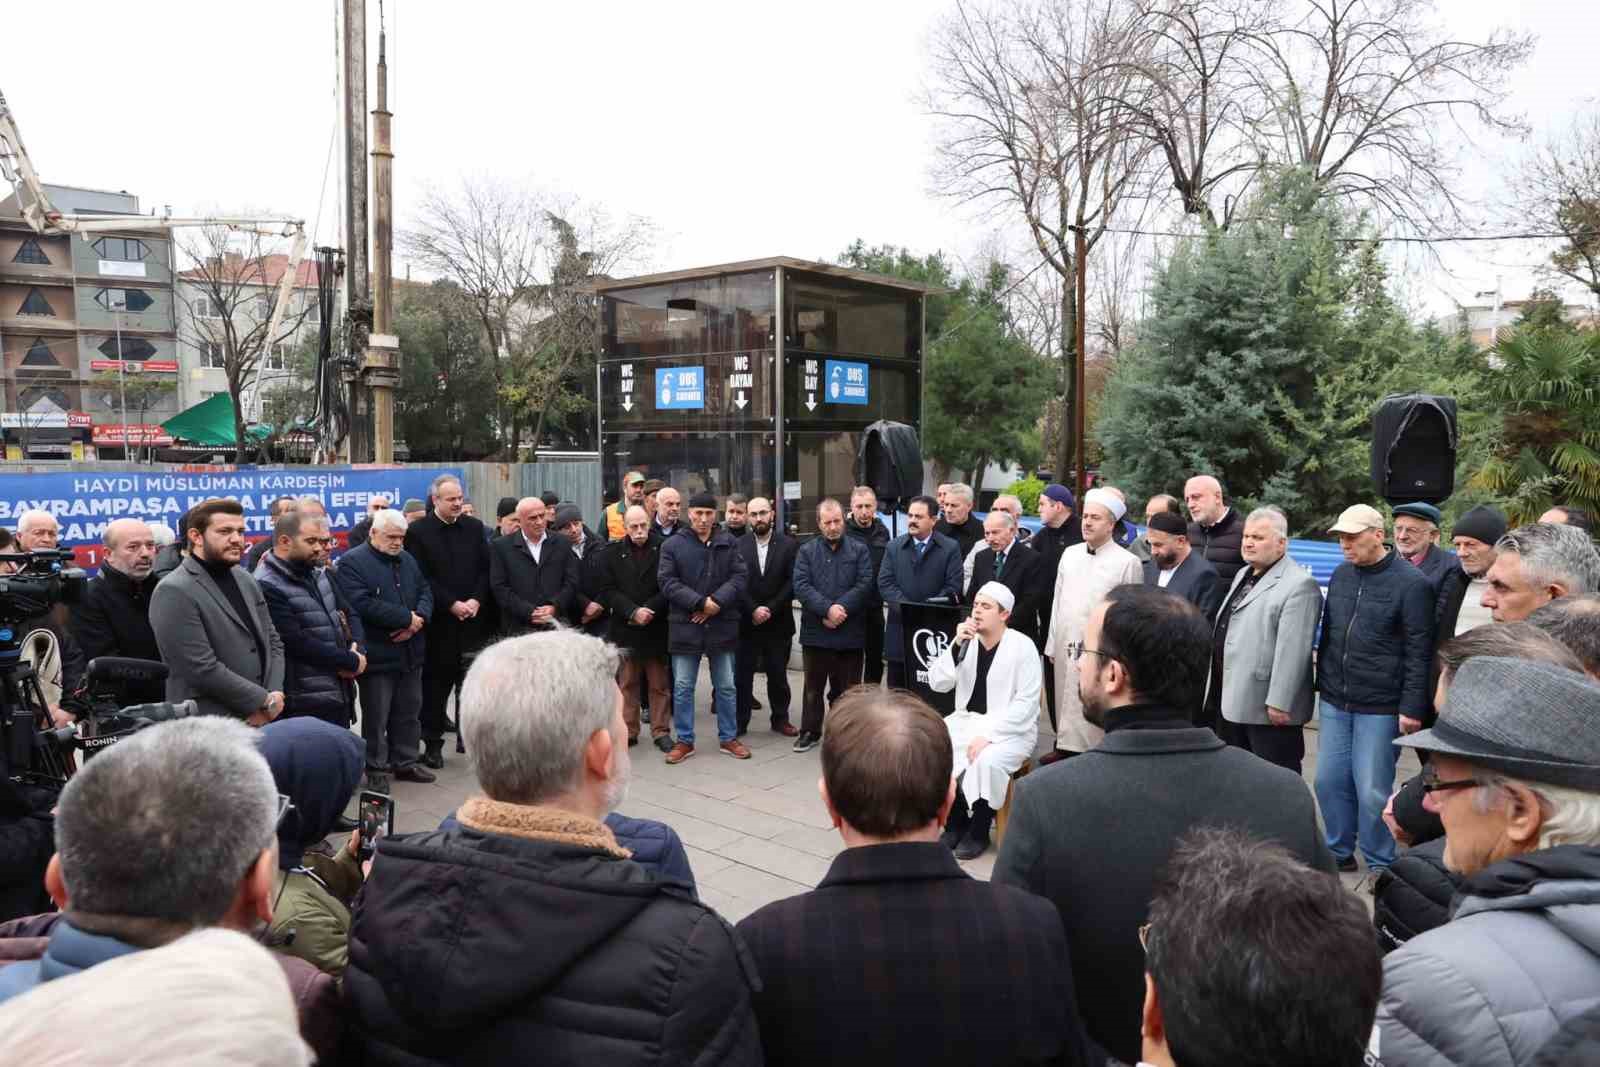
(122, 382)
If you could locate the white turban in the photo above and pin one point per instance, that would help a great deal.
(997, 593)
(1108, 500)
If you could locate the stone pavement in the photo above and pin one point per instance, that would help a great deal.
(755, 829)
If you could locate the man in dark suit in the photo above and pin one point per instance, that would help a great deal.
(766, 627)
(933, 965)
(533, 573)
(638, 624)
(588, 600)
(918, 566)
(1015, 566)
(212, 624)
(450, 548)
(1074, 836)
(1178, 569)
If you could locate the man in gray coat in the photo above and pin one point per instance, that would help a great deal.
(1259, 694)
(212, 625)
(1514, 775)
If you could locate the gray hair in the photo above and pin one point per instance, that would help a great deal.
(1575, 622)
(1005, 517)
(1570, 816)
(529, 705)
(389, 519)
(212, 996)
(960, 489)
(1279, 521)
(1009, 498)
(304, 501)
(443, 480)
(33, 515)
(162, 533)
(1555, 555)
(165, 824)
(829, 504)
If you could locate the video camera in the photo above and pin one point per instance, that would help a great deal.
(43, 578)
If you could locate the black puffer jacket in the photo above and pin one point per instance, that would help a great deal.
(480, 948)
(311, 618)
(1221, 543)
(113, 619)
(1377, 639)
(876, 538)
(1413, 895)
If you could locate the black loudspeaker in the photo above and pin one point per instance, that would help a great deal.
(1414, 448)
(890, 460)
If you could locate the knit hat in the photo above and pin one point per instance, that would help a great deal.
(1419, 510)
(1060, 494)
(1482, 523)
(703, 500)
(507, 506)
(566, 515)
(1168, 523)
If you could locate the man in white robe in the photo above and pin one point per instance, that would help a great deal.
(1087, 572)
(995, 673)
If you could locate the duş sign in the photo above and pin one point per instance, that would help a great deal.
(680, 389)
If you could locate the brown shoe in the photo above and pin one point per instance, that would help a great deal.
(680, 752)
(736, 749)
(787, 729)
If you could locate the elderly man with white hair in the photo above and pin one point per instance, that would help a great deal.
(386, 587)
(997, 680)
(37, 531)
(1086, 573)
(525, 923)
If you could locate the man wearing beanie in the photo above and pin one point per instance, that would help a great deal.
(1460, 606)
(505, 517)
(1514, 775)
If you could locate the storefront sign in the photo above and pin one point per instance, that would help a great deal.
(137, 434)
(681, 388)
(847, 382)
(135, 366)
(45, 420)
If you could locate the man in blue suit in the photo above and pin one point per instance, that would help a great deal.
(919, 565)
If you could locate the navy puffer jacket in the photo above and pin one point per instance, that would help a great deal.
(385, 590)
(310, 617)
(825, 576)
(1377, 639)
(692, 570)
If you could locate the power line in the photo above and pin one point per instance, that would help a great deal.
(1376, 239)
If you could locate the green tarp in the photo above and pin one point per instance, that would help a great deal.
(210, 422)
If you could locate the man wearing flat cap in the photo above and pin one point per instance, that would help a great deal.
(1514, 775)
(995, 673)
(1086, 573)
(1416, 538)
(1372, 673)
(588, 604)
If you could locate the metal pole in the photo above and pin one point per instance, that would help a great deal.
(1079, 406)
(122, 381)
(779, 422)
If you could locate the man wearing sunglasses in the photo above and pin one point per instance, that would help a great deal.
(1514, 775)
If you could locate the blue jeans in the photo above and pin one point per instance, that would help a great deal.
(1355, 774)
(685, 669)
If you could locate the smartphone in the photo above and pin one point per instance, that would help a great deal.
(376, 815)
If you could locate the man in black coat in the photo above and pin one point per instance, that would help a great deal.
(638, 623)
(1075, 836)
(533, 574)
(450, 549)
(1015, 566)
(1177, 568)
(766, 626)
(899, 956)
(363, 529)
(525, 931)
(588, 610)
(1216, 530)
(958, 522)
(864, 525)
(1062, 528)
(113, 618)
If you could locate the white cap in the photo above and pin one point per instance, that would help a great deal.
(1108, 500)
(997, 593)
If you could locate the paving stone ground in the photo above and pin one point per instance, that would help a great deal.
(755, 829)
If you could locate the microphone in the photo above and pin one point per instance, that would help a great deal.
(126, 669)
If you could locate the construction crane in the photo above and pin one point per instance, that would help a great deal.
(43, 218)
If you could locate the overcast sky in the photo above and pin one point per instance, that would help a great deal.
(742, 129)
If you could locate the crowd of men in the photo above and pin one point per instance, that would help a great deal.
(1164, 892)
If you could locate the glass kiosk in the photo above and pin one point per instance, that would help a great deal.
(698, 384)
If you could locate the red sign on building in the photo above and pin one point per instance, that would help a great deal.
(137, 434)
(135, 366)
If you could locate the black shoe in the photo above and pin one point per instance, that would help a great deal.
(756, 704)
(664, 742)
(951, 838)
(461, 746)
(1349, 865)
(972, 846)
(433, 755)
(343, 824)
(806, 741)
(742, 730)
(414, 773)
(632, 741)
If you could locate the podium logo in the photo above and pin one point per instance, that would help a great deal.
(927, 644)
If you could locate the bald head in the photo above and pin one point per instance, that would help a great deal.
(637, 522)
(130, 548)
(532, 515)
(1203, 496)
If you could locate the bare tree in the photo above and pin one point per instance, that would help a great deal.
(1371, 98)
(487, 237)
(1559, 192)
(1028, 98)
(230, 296)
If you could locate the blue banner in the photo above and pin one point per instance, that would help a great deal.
(85, 502)
(680, 388)
(847, 382)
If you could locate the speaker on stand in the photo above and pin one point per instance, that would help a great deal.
(1414, 443)
(890, 460)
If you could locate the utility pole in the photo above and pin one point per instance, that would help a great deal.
(358, 301)
(381, 371)
(1079, 406)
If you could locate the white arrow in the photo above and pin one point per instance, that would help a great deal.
(811, 401)
(627, 402)
(738, 400)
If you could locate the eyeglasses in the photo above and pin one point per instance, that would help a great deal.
(1077, 651)
(1432, 784)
